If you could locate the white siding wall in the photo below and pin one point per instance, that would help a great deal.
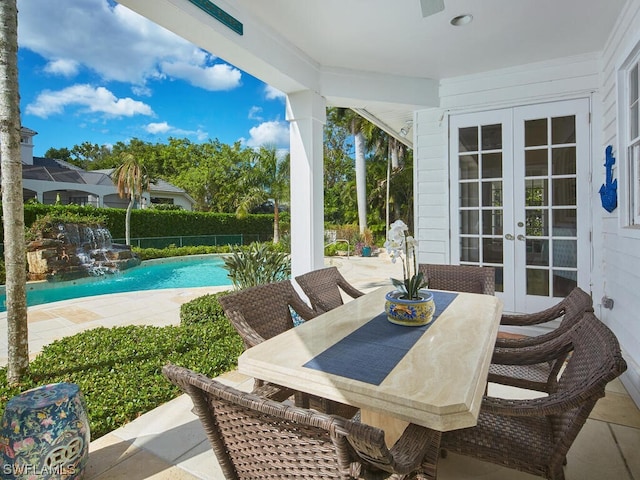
(620, 246)
(432, 186)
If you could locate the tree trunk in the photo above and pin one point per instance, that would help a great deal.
(276, 222)
(395, 158)
(127, 222)
(361, 180)
(12, 201)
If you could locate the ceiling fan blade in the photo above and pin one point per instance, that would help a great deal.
(429, 7)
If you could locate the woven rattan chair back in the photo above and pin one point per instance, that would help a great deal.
(534, 436)
(323, 288)
(541, 376)
(262, 312)
(257, 438)
(570, 309)
(460, 278)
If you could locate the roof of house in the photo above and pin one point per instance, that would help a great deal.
(52, 170)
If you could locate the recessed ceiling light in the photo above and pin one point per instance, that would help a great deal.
(461, 20)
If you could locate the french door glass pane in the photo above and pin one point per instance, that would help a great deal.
(535, 132)
(563, 130)
(536, 193)
(537, 223)
(491, 137)
(565, 223)
(492, 222)
(564, 253)
(563, 282)
(564, 191)
(468, 139)
(538, 282)
(538, 252)
(469, 250)
(563, 161)
(492, 250)
(469, 223)
(492, 194)
(535, 163)
(492, 165)
(469, 167)
(469, 194)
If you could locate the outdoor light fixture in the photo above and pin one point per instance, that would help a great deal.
(404, 131)
(461, 20)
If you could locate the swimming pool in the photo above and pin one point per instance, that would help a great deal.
(176, 272)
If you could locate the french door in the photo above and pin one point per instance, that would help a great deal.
(520, 199)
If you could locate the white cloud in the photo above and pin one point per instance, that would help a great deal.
(271, 93)
(93, 99)
(215, 77)
(255, 113)
(63, 67)
(269, 133)
(163, 128)
(116, 43)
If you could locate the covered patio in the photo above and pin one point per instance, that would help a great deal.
(483, 93)
(426, 79)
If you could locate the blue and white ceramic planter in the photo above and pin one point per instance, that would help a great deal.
(410, 312)
(44, 434)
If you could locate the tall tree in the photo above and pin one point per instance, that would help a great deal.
(268, 180)
(131, 181)
(356, 125)
(12, 201)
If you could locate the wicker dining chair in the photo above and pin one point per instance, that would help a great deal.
(535, 435)
(264, 311)
(459, 278)
(541, 376)
(323, 288)
(257, 438)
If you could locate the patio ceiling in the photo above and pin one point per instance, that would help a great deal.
(382, 57)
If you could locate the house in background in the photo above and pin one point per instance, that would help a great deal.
(53, 181)
(510, 108)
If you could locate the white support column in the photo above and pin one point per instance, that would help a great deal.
(306, 112)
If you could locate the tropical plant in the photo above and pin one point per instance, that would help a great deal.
(12, 200)
(131, 181)
(268, 180)
(257, 264)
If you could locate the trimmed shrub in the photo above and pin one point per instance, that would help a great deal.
(203, 309)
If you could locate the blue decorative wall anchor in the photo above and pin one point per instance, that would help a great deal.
(609, 190)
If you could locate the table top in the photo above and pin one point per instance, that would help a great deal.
(437, 383)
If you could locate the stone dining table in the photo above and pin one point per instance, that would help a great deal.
(433, 375)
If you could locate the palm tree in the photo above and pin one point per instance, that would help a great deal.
(267, 180)
(356, 126)
(12, 201)
(131, 181)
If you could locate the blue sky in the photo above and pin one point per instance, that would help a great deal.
(93, 70)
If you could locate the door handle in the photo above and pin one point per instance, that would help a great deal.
(508, 236)
(520, 237)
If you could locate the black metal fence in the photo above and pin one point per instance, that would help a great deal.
(194, 241)
(189, 241)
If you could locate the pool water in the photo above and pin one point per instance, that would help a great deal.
(178, 272)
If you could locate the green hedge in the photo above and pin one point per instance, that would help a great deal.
(163, 223)
(119, 370)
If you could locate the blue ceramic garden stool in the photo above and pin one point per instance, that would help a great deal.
(45, 434)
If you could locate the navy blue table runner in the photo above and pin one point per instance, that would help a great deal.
(370, 353)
